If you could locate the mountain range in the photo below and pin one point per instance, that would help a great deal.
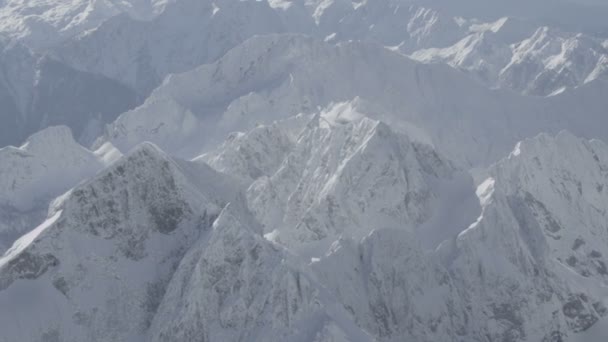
(303, 170)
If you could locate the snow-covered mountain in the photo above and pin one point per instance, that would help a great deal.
(138, 44)
(43, 23)
(98, 266)
(530, 267)
(523, 270)
(341, 173)
(48, 164)
(237, 286)
(207, 29)
(532, 207)
(269, 77)
(541, 206)
(545, 62)
(186, 34)
(303, 170)
(144, 32)
(510, 52)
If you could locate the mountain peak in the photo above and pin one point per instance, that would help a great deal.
(147, 149)
(323, 182)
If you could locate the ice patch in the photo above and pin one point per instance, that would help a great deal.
(484, 192)
(517, 151)
(272, 236)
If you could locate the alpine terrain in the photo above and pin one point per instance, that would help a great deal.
(303, 170)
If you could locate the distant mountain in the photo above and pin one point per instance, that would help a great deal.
(545, 63)
(278, 76)
(44, 23)
(37, 91)
(186, 34)
(139, 44)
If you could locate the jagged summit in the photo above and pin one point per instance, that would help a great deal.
(341, 173)
(37, 91)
